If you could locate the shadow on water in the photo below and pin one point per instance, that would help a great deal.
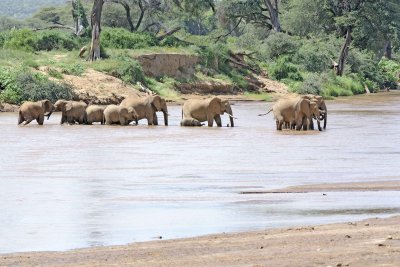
(65, 187)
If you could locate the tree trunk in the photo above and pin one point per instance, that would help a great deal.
(344, 53)
(95, 22)
(388, 49)
(274, 15)
(78, 14)
(125, 5)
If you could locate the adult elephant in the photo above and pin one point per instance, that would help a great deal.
(195, 111)
(296, 112)
(146, 108)
(94, 113)
(322, 106)
(114, 114)
(30, 111)
(71, 111)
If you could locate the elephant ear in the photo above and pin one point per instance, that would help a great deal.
(215, 105)
(156, 102)
(68, 106)
(47, 105)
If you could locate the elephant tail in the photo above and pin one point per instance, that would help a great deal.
(265, 113)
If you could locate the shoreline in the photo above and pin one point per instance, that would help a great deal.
(369, 242)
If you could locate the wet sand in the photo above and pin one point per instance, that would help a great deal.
(372, 242)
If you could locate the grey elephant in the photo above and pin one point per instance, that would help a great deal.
(94, 113)
(114, 114)
(321, 106)
(195, 111)
(30, 111)
(71, 111)
(146, 108)
(295, 112)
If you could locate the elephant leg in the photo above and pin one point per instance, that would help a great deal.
(63, 119)
(279, 125)
(311, 123)
(155, 119)
(28, 121)
(40, 120)
(218, 121)
(122, 121)
(305, 124)
(20, 118)
(299, 124)
(210, 121)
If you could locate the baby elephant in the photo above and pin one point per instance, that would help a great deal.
(191, 122)
(71, 111)
(30, 111)
(94, 113)
(114, 114)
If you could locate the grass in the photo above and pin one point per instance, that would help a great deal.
(258, 96)
(165, 87)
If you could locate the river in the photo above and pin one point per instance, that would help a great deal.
(66, 187)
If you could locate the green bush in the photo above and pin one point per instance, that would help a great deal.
(23, 85)
(53, 40)
(312, 84)
(315, 54)
(76, 69)
(172, 41)
(28, 40)
(23, 39)
(130, 71)
(279, 44)
(215, 57)
(390, 70)
(124, 39)
(285, 69)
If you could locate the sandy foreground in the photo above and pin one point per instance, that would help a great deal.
(372, 242)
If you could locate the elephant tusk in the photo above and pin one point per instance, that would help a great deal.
(232, 116)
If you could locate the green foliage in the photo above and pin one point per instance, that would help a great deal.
(124, 39)
(18, 85)
(129, 70)
(172, 41)
(28, 40)
(20, 39)
(164, 86)
(55, 73)
(75, 69)
(215, 57)
(278, 44)
(285, 69)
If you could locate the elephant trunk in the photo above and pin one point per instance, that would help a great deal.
(229, 111)
(319, 123)
(165, 112)
(49, 114)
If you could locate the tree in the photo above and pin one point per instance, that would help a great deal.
(96, 29)
(79, 16)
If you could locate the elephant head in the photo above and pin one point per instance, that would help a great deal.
(218, 106)
(159, 104)
(60, 105)
(315, 111)
(321, 105)
(127, 114)
(47, 107)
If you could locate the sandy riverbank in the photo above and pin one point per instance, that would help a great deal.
(372, 242)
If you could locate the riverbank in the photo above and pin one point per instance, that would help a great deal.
(372, 242)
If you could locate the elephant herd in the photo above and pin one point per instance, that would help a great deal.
(194, 112)
(292, 112)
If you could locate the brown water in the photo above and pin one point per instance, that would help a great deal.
(64, 187)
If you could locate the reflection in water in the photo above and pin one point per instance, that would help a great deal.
(65, 187)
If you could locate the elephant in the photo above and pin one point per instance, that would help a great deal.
(195, 111)
(30, 111)
(191, 122)
(72, 111)
(114, 114)
(305, 109)
(295, 112)
(321, 105)
(94, 113)
(146, 108)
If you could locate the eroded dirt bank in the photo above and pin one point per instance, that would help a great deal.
(372, 242)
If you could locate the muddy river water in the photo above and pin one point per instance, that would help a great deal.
(65, 187)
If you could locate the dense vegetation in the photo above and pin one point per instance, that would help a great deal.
(326, 47)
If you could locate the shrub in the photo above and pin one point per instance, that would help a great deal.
(312, 84)
(73, 69)
(279, 44)
(124, 39)
(129, 70)
(23, 39)
(52, 40)
(172, 41)
(23, 85)
(215, 57)
(285, 69)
